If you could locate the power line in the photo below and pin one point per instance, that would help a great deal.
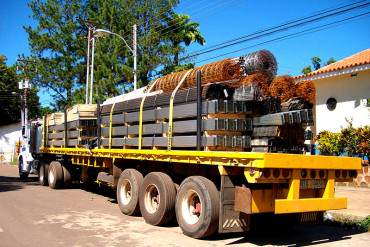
(289, 36)
(171, 28)
(127, 34)
(273, 30)
(208, 8)
(320, 12)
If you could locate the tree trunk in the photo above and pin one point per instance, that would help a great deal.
(69, 97)
(176, 58)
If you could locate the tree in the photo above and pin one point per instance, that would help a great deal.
(179, 29)
(330, 61)
(58, 45)
(112, 57)
(154, 49)
(306, 70)
(316, 62)
(10, 96)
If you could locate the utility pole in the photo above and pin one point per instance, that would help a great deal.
(92, 70)
(95, 33)
(88, 63)
(24, 85)
(134, 53)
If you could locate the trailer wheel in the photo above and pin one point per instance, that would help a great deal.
(43, 173)
(128, 188)
(157, 198)
(197, 207)
(55, 175)
(67, 177)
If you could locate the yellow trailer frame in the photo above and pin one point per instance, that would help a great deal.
(284, 201)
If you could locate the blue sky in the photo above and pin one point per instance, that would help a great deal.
(221, 20)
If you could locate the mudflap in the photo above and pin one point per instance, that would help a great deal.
(117, 170)
(231, 220)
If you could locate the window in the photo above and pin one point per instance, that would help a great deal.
(331, 104)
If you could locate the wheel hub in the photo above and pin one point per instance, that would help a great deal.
(152, 199)
(126, 192)
(191, 207)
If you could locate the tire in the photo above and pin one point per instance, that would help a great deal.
(22, 175)
(128, 188)
(157, 199)
(55, 175)
(43, 173)
(197, 207)
(67, 177)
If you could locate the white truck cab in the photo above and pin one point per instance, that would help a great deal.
(30, 144)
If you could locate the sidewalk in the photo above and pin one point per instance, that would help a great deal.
(358, 207)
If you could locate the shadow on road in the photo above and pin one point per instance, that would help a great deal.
(300, 235)
(14, 183)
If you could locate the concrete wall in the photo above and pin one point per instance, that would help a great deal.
(351, 93)
(9, 135)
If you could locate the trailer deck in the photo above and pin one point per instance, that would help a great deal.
(221, 158)
(252, 166)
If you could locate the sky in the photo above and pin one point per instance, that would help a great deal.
(223, 20)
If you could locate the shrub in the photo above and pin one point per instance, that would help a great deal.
(329, 143)
(350, 140)
(363, 146)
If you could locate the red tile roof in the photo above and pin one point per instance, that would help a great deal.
(357, 59)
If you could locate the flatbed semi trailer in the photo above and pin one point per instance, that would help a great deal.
(207, 191)
(145, 147)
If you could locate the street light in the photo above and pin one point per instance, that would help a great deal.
(101, 32)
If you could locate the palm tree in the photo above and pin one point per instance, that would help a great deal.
(181, 30)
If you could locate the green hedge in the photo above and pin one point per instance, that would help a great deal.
(349, 141)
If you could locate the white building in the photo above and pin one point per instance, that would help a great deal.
(342, 92)
(9, 136)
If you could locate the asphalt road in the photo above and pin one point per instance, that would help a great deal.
(33, 215)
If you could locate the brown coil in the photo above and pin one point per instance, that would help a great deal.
(307, 91)
(220, 71)
(283, 88)
(262, 81)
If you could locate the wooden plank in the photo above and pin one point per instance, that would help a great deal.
(81, 111)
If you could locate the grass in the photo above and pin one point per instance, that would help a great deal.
(14, 162)
(362, 225)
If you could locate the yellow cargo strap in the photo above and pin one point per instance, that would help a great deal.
(170, 114)
(43, 131)
(110, 125)
(47, 132)
(149, 89)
